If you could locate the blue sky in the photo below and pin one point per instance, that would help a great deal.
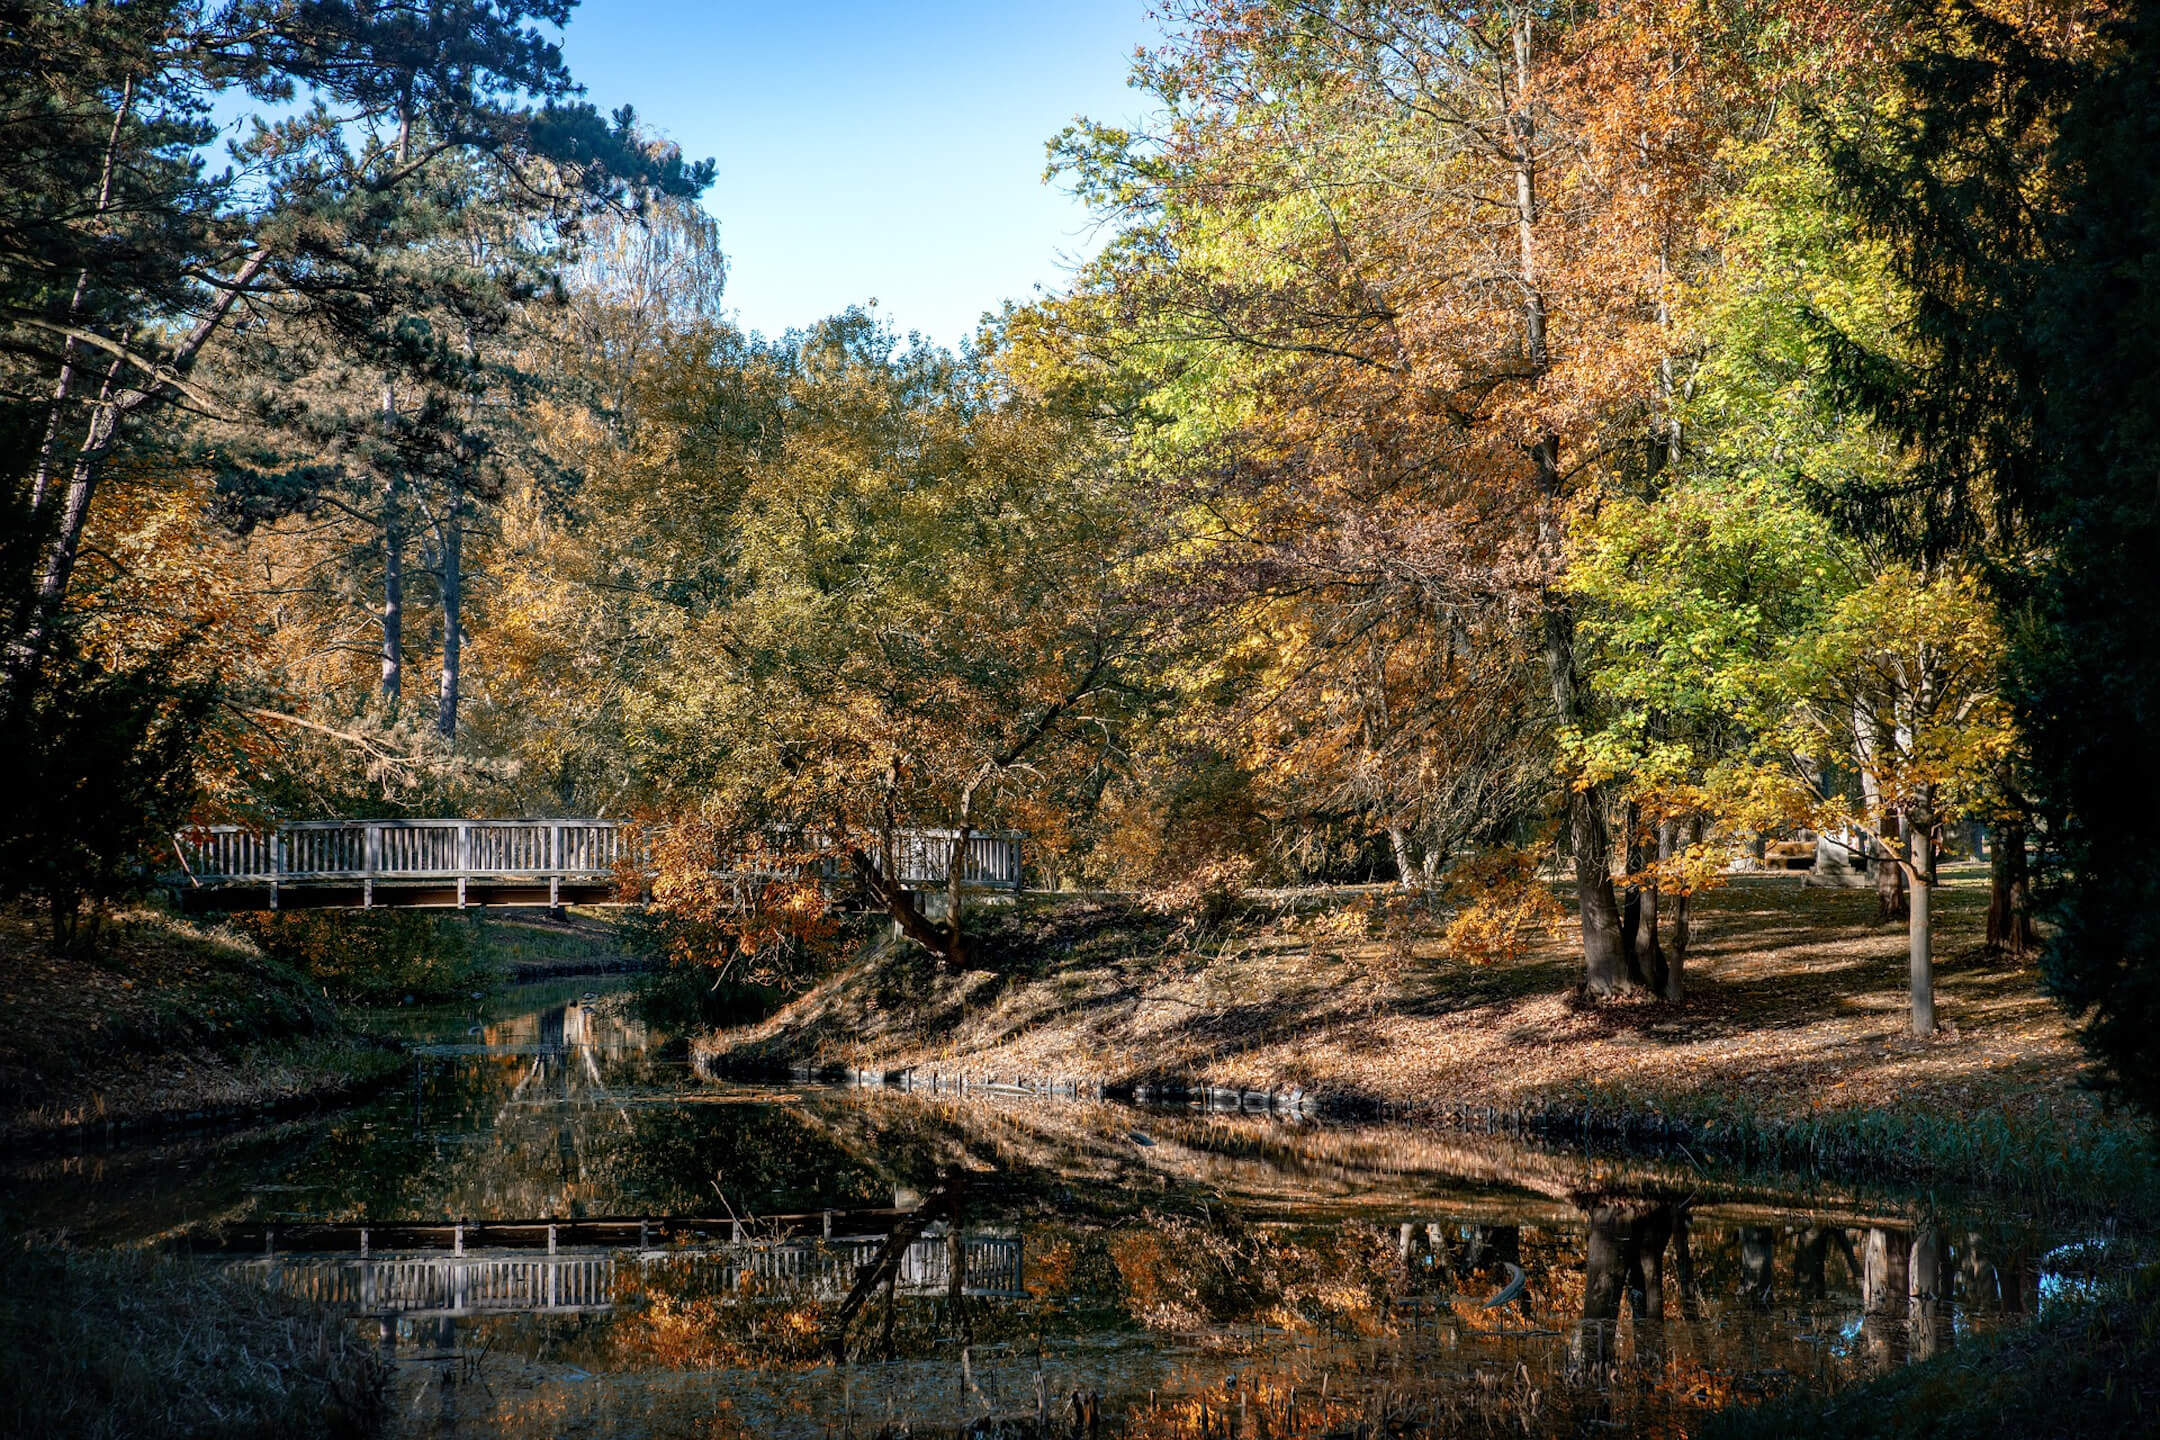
(866, 150)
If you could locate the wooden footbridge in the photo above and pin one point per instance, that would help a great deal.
(560, 1267)
(316, 864)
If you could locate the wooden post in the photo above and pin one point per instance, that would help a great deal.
(464, 858)
(457, 1239)
(277, 855)
(555, 866)
(370, 858)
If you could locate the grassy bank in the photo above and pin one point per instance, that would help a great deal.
(104, 1344)
(170, 1021)
(528, 945)
(1791, 1048)
(2090, 1371)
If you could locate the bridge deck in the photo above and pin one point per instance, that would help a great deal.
(368, 863)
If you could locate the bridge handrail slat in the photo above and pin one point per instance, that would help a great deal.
(578, 849)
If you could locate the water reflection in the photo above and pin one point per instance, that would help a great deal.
(1186, 1275)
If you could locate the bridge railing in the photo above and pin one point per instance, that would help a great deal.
(481, 1283)
(313, 850)
(923, 858)
(568, 851)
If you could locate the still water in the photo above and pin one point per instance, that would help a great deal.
(1126, 1272)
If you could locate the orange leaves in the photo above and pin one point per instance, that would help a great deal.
(746, 905)
(1505, 909)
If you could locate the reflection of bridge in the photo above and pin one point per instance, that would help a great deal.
(365, 863)
(498, 1281)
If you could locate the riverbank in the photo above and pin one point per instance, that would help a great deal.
(116, 1344)
(2091, 1371)
(532, 945)
(1791, 1048)
(170, 1023)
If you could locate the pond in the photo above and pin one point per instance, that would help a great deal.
(1124, 1271)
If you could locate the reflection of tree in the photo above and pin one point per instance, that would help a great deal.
(574, 1120)
(1624, 1256)
(1758, 1251)
(1929, 1274)
(1885, 1293)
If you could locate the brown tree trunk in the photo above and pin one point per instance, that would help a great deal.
(1631, 893)
(453, 610)
(1683, 933)
(901, 906)
(1890, 895)
(1605, 959)
(1920, 939)
(2009, 919)
(1650, 959)
(393, 609)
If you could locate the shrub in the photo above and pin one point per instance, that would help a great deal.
(1503, 907)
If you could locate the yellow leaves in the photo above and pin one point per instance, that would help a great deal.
(1900, 684)
(1504, 907)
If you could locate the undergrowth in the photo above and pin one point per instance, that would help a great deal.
(125, 1344)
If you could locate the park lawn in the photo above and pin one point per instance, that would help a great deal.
(169, 1021)
(1792, 1045)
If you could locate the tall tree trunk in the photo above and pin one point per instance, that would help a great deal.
(115, 402)
(956, 863)
(1604, 959)
(453, 608)
(1683, 933)
(1650, 960)
(48, 449)
(1885, 851)
(2009, 920)
(393, 609)
(1399, 844)
(1920, 941)
(1890, 894)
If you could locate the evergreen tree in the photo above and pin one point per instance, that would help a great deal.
(2014, 190)
(2087, 665)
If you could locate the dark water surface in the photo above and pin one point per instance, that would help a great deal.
(1222, 1277)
